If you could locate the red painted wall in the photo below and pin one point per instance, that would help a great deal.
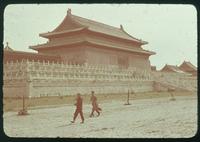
(75, 54)
(109, 56)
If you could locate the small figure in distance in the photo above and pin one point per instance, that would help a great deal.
(95, 106)
(79, 107)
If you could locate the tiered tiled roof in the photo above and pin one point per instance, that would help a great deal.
(92, 26)
(189, 65)
(172, 68)
(76, 31)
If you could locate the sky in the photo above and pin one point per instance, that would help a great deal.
(169, 29)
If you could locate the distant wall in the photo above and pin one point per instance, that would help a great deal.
(16, 89)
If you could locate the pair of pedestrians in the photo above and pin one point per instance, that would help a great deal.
(79, 107)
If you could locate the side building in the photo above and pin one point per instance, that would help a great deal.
(189, 68)
(173, 76)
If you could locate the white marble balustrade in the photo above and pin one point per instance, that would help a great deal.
(46, 70)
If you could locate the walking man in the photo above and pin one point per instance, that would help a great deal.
(95, 106)
(79, 107)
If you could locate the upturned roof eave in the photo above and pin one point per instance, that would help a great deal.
(38, 47)
(135, 39)
(50, 34)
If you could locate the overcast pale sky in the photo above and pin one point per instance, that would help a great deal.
(171, 30)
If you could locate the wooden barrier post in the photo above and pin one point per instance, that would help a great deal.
(171, 90)
(23, 111)
(127, 99)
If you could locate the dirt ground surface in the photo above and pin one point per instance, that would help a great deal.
(150, 115)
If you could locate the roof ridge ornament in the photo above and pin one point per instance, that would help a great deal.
(7, 48)
(121, 27)
(69, 11)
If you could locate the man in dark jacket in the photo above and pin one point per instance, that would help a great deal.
(79, 107)
(95, 106)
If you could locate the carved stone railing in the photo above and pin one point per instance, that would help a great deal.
(45, 70)
(30, 70)
(44, 78)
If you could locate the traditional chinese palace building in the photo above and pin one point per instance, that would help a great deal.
(80, 55)
(189, 68)
(82, 41)
(184, 68)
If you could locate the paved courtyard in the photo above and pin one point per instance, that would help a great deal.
(144, 118)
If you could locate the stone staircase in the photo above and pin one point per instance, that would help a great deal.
(183, 83)
(160, 86)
